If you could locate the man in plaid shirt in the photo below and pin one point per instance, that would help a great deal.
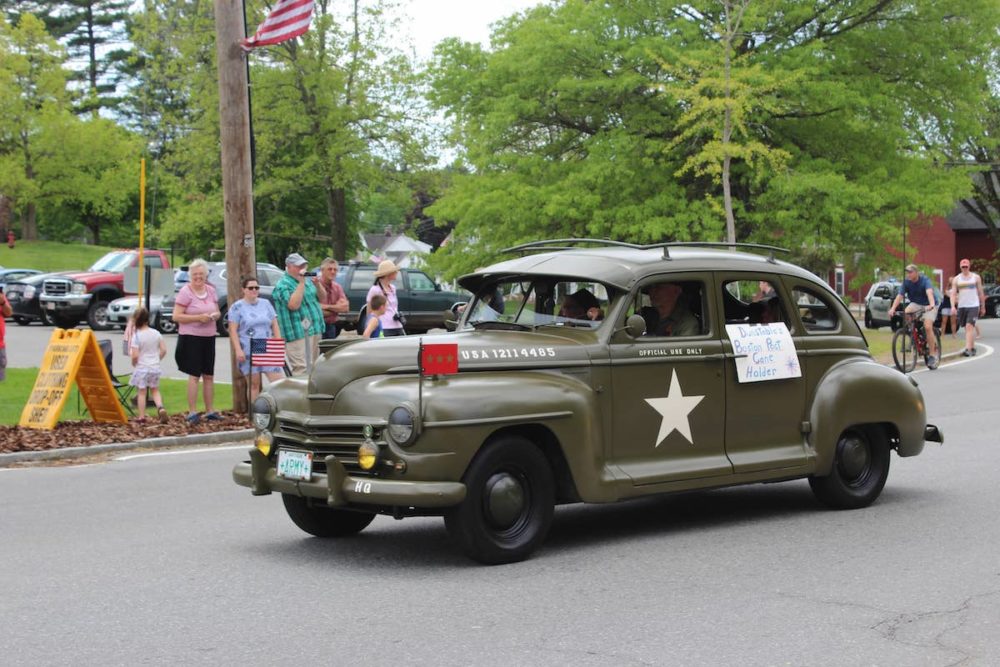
(299, 314)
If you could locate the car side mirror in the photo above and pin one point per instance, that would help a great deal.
(635, 326)
(450, 323)
(437, 288)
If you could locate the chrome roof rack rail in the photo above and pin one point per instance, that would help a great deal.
(557, 244)
(570, 244)
(717, 244)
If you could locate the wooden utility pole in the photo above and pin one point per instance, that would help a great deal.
(237, 177)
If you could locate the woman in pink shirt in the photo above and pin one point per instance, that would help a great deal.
(196, 310)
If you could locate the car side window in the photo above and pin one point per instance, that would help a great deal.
(154, 261)
(753, 302)
(362, 279)
(268, 277)
(815, 311)
(673, 308)
(419, 282)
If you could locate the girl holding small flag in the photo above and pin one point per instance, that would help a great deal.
(253, 331)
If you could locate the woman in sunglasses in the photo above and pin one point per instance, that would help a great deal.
(253, 317)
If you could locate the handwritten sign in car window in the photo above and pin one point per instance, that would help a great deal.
(763, 352)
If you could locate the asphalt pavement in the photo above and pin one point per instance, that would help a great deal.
(161, 559)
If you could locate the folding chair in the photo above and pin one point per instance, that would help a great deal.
(124, 391)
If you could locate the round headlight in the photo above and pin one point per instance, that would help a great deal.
(263, 412)
(401, 428)
(367, 455)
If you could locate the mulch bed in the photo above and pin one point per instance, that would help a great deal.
(82, 433)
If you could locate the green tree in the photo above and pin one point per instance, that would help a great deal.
(619, 119)
(93, 32)
(32, 99)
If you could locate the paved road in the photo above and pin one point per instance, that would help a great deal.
(163, 560)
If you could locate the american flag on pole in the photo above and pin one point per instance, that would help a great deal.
(288, 19)
(267, 352)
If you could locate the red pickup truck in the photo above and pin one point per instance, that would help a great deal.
(72, 297)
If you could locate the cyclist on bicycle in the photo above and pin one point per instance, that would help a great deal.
(918, 290)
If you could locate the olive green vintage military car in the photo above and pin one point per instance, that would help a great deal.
(589, 371)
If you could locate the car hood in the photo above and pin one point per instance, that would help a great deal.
(477, 351)
(91, 277)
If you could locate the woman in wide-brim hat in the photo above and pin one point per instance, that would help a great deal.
(385, 274)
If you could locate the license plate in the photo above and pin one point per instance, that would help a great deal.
(50, 305)
(295, 465)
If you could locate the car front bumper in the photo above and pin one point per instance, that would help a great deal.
(62, 304)
(338, 489)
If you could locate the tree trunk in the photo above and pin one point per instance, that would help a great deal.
(336, 209)
(29, 225)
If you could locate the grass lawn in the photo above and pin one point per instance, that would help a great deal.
(880, 344)
(50, 255)
(14, 393)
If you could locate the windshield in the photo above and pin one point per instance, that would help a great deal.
(540, 301)
(115, 262)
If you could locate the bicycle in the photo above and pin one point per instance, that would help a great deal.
(910, 342)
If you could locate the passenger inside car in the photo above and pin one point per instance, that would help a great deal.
(669, 312)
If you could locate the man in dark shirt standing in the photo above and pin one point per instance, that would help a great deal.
(918, 290)
(332, 299)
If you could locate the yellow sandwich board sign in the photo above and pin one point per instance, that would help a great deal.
(72, 355)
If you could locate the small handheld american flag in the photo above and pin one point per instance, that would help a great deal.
(267, 351)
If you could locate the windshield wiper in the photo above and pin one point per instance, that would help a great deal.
(497, 324)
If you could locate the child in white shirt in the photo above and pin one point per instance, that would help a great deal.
(146, 350)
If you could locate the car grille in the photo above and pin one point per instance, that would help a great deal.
(339, 440)
(56, 287)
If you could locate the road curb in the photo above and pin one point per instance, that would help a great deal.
(221, 437)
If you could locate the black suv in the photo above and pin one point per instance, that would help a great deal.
(421, 300)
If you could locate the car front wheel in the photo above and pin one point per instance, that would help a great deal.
(97, 316)
(860, 468)
(324, 521)
(996, 309)
(509, 503)
(869, 324)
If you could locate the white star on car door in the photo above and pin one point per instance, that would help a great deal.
(674, 410)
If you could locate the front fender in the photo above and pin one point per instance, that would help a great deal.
(861, 391)
(460, 412)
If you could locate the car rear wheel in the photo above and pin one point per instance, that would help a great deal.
(222, 325)
(509, 503)
(996, 309)
(869, 324)
(97, 316)
(324, 521)
(860, 468)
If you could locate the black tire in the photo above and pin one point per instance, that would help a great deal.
(97, 316)
(860, 468)
(325, 521)
(164, 325)
(904, 353)
(509, 502)
(996, 309)
(22, 321)
(60, 321)
(869, 324)
(222, 325)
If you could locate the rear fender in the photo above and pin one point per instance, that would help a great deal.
(857, 392)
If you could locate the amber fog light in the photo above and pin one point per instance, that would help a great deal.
(264, 442)
(367, 455)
